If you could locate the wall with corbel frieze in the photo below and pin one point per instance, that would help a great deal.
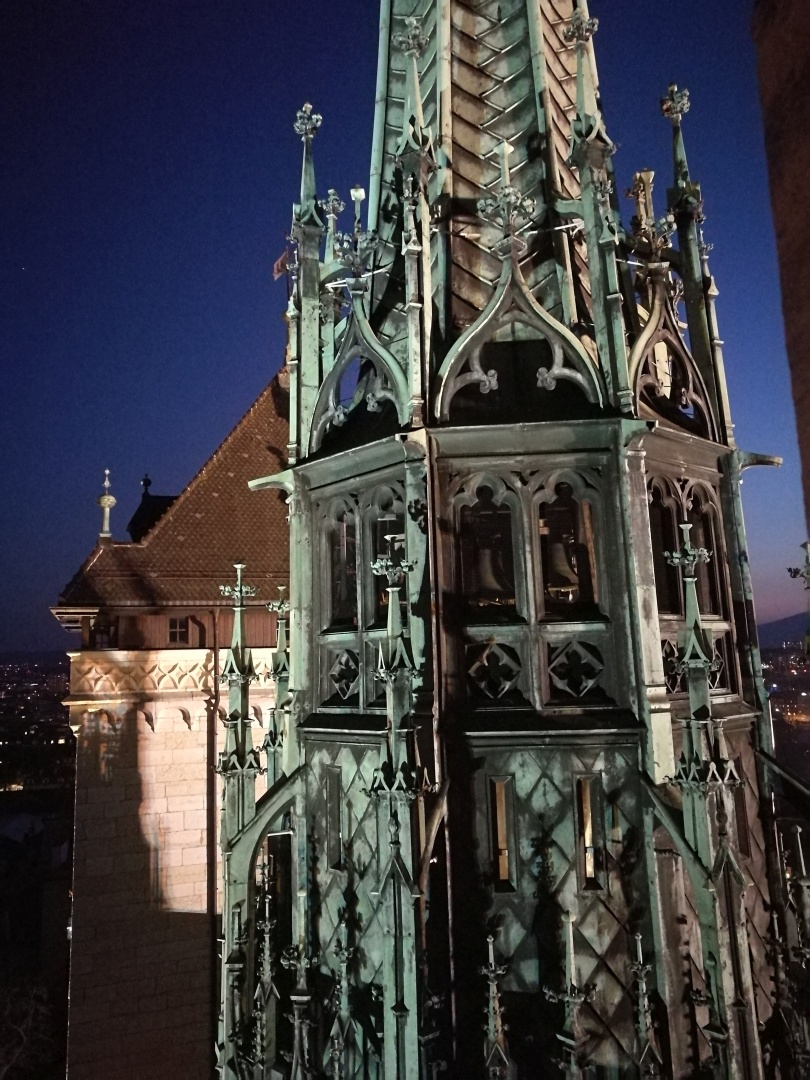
(146, 870)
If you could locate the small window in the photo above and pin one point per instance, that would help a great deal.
(179, 631)
(707, 574)
(342, 555)
(665, 537)
(387, 539)
(503, 856)
(104, 633)
(566, 543)
(590, 829)
(487, 556)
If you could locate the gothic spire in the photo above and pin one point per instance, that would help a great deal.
(306, 125)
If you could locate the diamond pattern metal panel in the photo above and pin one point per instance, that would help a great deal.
(545, 817)
(345, 893)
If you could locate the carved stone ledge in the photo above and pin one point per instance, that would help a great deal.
(119, 674)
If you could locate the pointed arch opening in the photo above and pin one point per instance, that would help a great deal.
(364, 397)
(517, 363)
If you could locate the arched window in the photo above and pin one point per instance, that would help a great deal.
(565, 525)
(340, 531)
(669, 386)
(702, 535)
(487, 556)
(385, 537)
(665, 536)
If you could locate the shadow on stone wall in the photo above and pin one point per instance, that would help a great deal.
(143, 992)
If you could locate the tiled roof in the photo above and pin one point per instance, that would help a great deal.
(215, 522)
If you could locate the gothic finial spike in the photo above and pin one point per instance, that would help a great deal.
(306, 124)
(106, 501)
(675, 104)
(413, 42)
(358, 194)
(146, 483)
(580, 30)
(240, 590)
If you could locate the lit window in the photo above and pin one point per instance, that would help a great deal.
(566, 543)
(500, 794)
(179, 631)
(590, 832)
(487, 554)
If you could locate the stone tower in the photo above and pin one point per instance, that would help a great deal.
(520, 732)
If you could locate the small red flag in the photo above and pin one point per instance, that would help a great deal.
(280, 267)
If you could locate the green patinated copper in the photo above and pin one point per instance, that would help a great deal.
(516, 758)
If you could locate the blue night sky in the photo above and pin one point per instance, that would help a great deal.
(148, 175)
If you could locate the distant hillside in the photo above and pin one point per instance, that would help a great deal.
(793, 628)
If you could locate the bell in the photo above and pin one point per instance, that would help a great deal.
(488, 583)
(561, 569)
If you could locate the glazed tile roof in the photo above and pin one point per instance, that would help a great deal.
(213, 523)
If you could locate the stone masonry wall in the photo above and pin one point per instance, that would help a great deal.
(144, 994)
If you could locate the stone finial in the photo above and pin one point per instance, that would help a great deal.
(307, 122)
(675, 104)
(413, 42)
(106, 501)
(239, 591)
(580, 30)
(507, 206)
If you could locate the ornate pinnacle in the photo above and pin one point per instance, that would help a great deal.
(507, 207)
(413, 42)
(687, 557)
(238, 591)
(307, 122)
(675, 104)
(355, 250)
(497, 1063)
(802, 572)
(332, 204)
(580, 30)
(644, 225)
(393, 571)
(281, 606)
